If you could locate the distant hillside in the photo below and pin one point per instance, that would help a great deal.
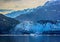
(6, 24)
(18, 12)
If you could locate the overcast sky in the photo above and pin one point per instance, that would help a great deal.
(19, 4)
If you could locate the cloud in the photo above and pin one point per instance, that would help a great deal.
(8, 0)
(52, 0)
(20, 4)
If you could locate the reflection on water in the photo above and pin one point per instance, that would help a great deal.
(32, 38)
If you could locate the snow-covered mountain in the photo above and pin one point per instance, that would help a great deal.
(50, 12)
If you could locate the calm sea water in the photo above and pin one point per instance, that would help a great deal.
(30, 38)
